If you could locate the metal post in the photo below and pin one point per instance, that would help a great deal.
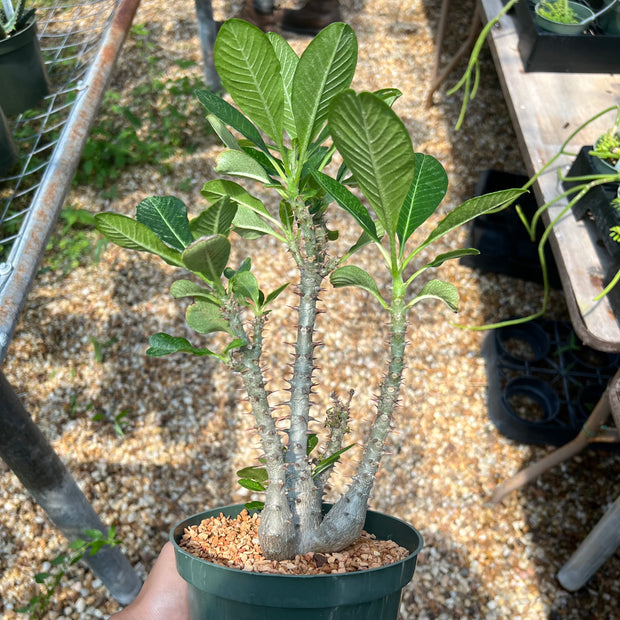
(30, 456)
(206, 34)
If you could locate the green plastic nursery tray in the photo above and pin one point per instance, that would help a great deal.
(591, 52)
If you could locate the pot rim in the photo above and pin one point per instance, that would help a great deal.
(177, 529)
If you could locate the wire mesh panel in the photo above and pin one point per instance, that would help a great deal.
(79, 41)
(69, 34)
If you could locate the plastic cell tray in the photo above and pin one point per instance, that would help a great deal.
(542, 383)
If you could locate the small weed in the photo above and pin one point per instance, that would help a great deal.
(94, 542)
(74, 243)
(119, 422)
(148, 130)
(100, 346)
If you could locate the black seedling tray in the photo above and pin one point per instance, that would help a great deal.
(504, 244)
(591, 52)
(542, 383)
(597, 201)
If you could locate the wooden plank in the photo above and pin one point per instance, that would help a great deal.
(545, 109)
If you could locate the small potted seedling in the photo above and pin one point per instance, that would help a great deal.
(606, 152)
(22, 71)
(562, 16)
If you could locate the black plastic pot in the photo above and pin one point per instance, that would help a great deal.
(221, 593)
(8, 152)
(22, 71)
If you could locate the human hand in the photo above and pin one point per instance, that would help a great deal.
(163, 595)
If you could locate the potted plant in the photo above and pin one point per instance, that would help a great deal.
(606, 152)
(562, 16)
(22, 70)
(8, 152)
(294, 117)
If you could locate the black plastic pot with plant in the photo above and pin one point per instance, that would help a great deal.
(22, 70)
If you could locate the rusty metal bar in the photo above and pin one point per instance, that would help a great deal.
(47, 202)
(22, 445)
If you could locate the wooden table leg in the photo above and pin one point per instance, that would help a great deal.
(437, 77)
(600, 544)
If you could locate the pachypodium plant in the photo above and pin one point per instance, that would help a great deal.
(13, 18)
(292, 114)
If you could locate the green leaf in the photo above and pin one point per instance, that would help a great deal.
(288, 63)
(250, 226)
(41, 577)
(208, 256)
(313, 442)
(187, 288)
(329, 461)
(256, 473)
(240, 164)
(348, 201)
(429, 186)
(231, 117)
(214, 190)
(250, 71)
(244, 284)
(376, 147)
(254, 505)
(351, 275)
(205, 318)
(252, 485)
(471, 209)
(215, 220)
(133, 235)
(366, 239)
(166, 216)
(274, 294)
(286, 215)
(325, 68)
(442, 258)
(389, 95)
(438, 289)
(163, 344)
(266, 163)
(224, 134)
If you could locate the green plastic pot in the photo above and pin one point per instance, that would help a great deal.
(221, 593)
(22, 71)
(8, 152)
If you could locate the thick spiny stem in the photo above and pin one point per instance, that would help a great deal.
(311, 260)
(276, 532)
(344, 522)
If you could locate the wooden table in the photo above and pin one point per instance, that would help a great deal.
(546, 108)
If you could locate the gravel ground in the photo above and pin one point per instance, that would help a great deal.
(186, 434)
